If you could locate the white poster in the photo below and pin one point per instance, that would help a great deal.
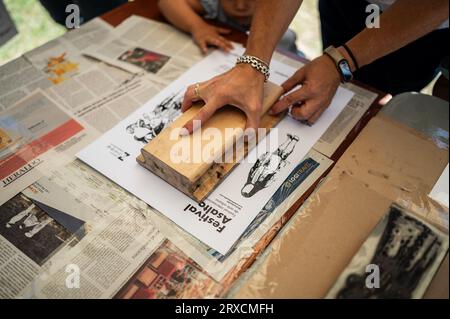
(222, 218)
(440, 190)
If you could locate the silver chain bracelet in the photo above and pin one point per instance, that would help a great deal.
(255, 63)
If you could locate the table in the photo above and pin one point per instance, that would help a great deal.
(149, 9)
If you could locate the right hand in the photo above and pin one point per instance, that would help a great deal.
(242, 87)
(206, 34)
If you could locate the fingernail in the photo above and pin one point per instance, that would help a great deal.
(184, 131)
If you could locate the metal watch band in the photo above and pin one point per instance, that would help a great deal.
(255, 63)
(340, 62)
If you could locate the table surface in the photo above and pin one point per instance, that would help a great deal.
(149, 9)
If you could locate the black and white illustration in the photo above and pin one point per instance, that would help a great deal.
(407, 253)
(31, 229)
(150, 124)
(264, 171)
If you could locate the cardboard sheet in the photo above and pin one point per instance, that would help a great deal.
(307, 257)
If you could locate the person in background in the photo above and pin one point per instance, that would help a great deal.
(402, 55)
(237, 14)
(89, 9)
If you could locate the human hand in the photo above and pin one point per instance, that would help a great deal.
(206, 34)
(319, 80)
(242, 87)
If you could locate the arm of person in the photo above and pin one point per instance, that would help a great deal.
(242, 86)
(404, 22)
(185, 15)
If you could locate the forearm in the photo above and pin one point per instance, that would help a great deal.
(404, 22)
(269, 23)
(181, 14)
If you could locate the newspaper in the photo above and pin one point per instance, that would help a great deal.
(169, 273)
(114, 155)
(7, 27)
(74, 218)
(35, 134)
(143, 46)
(18, 79)
(346, 121)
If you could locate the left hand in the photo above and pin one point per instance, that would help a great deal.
(319, 80)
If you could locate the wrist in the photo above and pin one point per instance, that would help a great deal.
(332, 66)
(256, 63)
(349, 59)
(197, 25)
(266, 57)
(248, 71)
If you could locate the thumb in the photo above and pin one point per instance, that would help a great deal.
(204, 114)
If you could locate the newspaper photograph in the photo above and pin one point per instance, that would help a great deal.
(35, 134)
(32, 235)
(407, 252)
(170, 274)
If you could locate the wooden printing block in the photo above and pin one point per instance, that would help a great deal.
(199, 174)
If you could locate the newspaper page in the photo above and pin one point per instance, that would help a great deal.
(160, 37)
(18, 79)
(143, 46)
(77, 80)
(61, 59)
(35, 134)
(347, 120)
(169, 273)
(252, 241)
(115, 152)
(7, 28)
(74, 219)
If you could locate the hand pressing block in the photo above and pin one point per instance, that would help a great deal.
(197, 163)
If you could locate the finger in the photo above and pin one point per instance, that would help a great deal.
(218, 42)
(313, 119)
(294, 80)
(203, 115)
(297, 96)
(203, 45)
(223, 31)
(306, 110)
(188, 99)
(227, 42)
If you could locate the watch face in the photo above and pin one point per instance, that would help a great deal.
(345, 70)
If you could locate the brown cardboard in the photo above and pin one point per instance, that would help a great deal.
(387, 163)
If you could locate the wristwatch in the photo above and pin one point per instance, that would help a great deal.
(341, 63)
